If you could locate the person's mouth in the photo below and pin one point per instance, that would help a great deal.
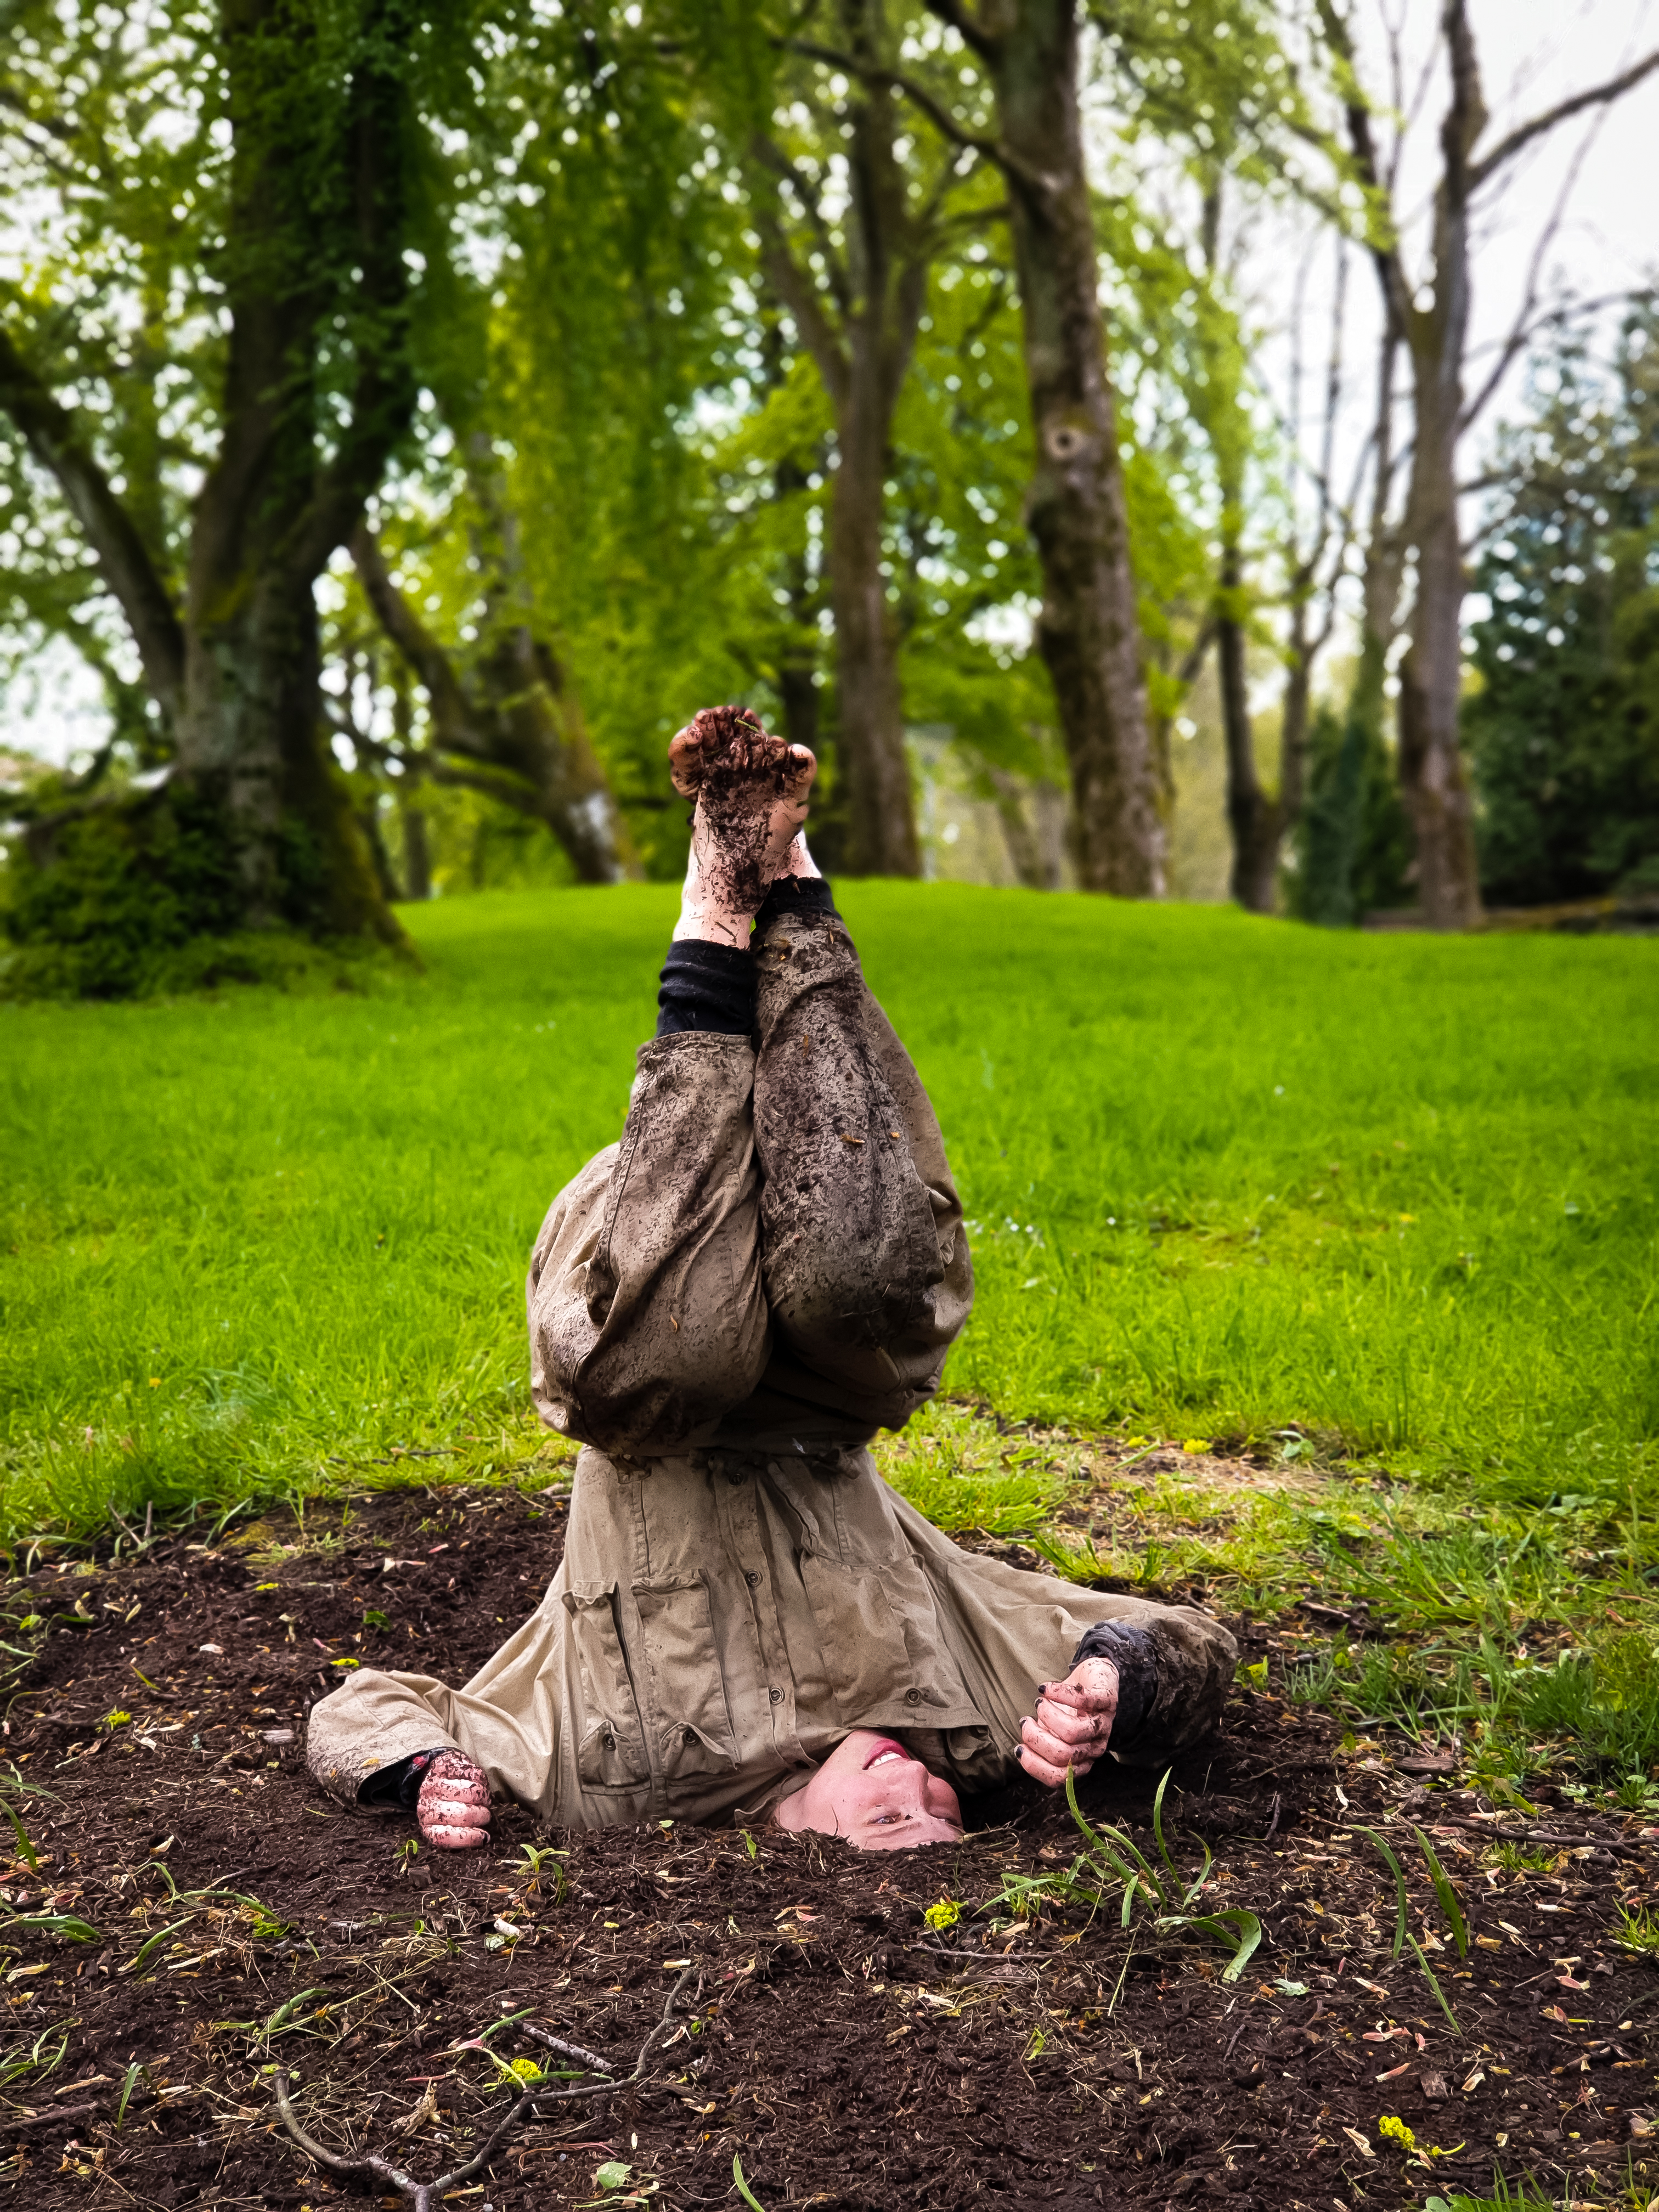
(884, 1751)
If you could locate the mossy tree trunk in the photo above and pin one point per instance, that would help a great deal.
(316, 223)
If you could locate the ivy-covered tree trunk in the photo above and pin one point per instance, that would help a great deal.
(1088, 629)
(315, 225)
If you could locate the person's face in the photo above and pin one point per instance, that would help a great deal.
(871, 1794)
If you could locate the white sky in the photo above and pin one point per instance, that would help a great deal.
(1532, 53)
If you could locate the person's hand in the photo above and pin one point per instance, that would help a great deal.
(1072, 1725)
(453, 1810)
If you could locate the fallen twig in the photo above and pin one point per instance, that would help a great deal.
(424, 2195)
(589, 2058)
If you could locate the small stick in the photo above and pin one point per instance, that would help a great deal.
(588, 2058)
(424, 2195)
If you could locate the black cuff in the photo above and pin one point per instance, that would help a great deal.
(707, 986)
(1131, 1652)
(400, 1783)
(801, 895)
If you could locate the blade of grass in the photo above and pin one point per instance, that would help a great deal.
(133, 2072)
(1399, 1937)
(743, 2190)
(1447, 1895)
(1184, 1895)
(1245, 1943)
(57, 1923)
(159, 1936)
(1429, 1975)
(279, 2018)
(25, 1847)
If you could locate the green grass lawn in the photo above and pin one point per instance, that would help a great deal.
(1226, 1174)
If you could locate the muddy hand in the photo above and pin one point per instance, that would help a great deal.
(1073, 1723)
(453, 1810)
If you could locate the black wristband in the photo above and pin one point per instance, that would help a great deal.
(710, 988)
(400, 1783)
(1131, 1652)
(808, 895)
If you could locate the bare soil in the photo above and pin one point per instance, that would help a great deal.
(851, 2053)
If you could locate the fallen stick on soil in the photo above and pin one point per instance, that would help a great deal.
(424, 2195)
(589, 2058)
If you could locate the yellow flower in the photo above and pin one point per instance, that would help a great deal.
(1196, 1444)
(1398, 2131)
(945, 1914)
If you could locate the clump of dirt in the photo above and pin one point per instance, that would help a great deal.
(852, 2048)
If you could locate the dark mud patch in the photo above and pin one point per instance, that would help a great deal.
(851, 2053)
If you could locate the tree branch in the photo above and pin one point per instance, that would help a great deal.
(55, 439)
(1598, 96)
(383, 396)
(940, 116)
(453, 718)
(1518, 331)
(955, 14)
(771, 155)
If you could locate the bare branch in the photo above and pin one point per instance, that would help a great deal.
(1598, 96)
(1518, 337)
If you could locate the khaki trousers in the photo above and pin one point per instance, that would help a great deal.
(723, 1307)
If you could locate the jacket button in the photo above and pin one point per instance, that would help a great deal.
(690, 1736)
(609, 1742)
(776, 1696)
(752, 1578)
(913, 1697)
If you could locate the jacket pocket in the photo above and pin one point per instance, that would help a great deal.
(877, 1638)
(611, 1750)
(690, 1720)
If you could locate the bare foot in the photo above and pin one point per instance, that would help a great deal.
(750, 790)
(453, 1810)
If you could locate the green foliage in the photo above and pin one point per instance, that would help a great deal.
(1607, 1699)
(1351, 848)
(1111, 1862)
(1564, 731)
(1392, 1189)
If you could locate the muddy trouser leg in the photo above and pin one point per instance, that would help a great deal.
(647, 1313)
(866, 1268)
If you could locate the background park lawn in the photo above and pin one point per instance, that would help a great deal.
(1226, 1174)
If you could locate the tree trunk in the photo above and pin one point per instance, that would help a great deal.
(1255, 820)
(518, 719)
(1432, 781)
(1088, 629)
(863, 355)
(881, 821)
(1034, 868)
(251, 720)
(313, 240)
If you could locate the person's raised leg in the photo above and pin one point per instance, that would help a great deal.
(647, 1311)
(867, 1270)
